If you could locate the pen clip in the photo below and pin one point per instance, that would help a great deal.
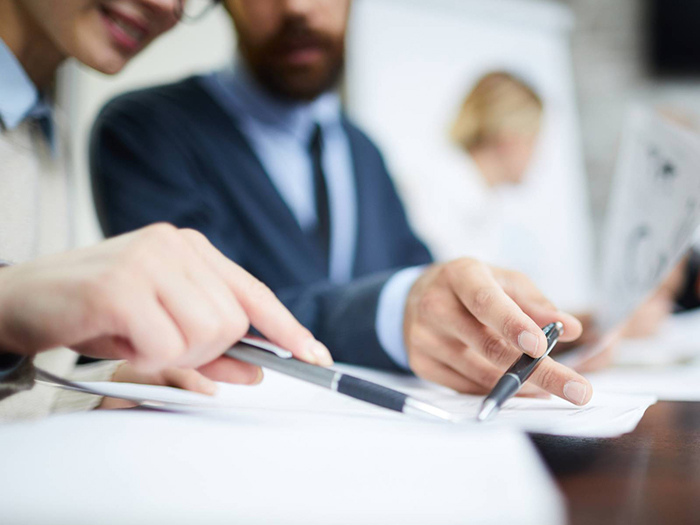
(263, 344)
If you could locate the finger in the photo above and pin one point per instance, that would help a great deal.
(562, 382)
(478, 290)
(195, 315)
(466, 362)
(523, 291)
(233, 323)
(533, 391)
(460, 324)
(229, 370)
(189, 379)
(151, 332)
(442, 374)
(264, 310)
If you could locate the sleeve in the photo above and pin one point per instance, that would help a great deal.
(16, 374)
(687, 298)
(143, 173)
(70, 401)
(16, 371)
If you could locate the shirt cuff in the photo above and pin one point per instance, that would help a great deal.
(390, 313)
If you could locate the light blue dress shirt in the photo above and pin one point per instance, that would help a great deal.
(19, 97)
(280, 134)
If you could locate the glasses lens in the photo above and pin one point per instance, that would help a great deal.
(194, 9)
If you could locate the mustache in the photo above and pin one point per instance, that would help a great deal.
(296, 34)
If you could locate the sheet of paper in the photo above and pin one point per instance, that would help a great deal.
(265, 466)
(667, 365)
(667, 383)
(653, 212)
(607, 415)
(676, 342)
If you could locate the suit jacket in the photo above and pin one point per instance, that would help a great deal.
(171, 153)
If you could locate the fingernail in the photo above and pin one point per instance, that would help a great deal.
(528, 343)
(575, 392)
(207, 386)
(259, 377)
(308, 353)
(323, 356)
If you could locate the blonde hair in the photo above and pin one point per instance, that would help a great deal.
(499, 102)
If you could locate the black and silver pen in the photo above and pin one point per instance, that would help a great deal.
(517, 374)
(263, 353)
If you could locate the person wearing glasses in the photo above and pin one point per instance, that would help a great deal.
(262, 160)
(161, 298)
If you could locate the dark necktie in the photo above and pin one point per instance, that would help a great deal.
(323, 228)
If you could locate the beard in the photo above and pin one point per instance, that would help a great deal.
(298, 63)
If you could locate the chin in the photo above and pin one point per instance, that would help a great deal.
(109, 63)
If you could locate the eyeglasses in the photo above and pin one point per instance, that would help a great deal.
(193, 10)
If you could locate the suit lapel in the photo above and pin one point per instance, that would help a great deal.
(259, 198)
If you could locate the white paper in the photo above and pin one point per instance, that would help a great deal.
(653, 212)
(666, 365)
(607, 415)
(268, 466)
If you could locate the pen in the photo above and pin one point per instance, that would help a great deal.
(263, 353)
(517, 374)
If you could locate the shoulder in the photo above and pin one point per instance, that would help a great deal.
(358, 138)
(179, 101)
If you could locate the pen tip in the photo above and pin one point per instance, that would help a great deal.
(488, 410)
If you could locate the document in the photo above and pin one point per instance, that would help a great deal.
(607, 415)
(653, 212)
(268, 466)
(667, 365)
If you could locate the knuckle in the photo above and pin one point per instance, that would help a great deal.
(464, 266)
(159, 232)
(548, 378)
(206, 331)
(257, 291)
(194, 236)
(512, 326)
(482, 299)
(495, 349)
(429, 304)
(414, 339)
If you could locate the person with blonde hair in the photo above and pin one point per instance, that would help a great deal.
(498, 125)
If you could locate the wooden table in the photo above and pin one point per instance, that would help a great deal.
(650, 476)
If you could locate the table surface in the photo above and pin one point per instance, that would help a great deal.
(650, 476)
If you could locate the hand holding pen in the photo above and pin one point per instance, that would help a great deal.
(466, 322)
(515, 377)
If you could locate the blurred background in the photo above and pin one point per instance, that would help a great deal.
(411, 63)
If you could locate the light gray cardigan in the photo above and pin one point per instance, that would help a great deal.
(36, 198)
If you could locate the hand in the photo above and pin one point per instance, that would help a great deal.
(466, 323)
(184, 378)
(159, 297)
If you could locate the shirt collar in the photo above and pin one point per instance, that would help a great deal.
(251, 100)
(19, 97)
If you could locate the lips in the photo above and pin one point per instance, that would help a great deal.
(127, 32)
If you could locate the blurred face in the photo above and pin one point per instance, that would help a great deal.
(515, 152)
(103, 34)
(295, 48)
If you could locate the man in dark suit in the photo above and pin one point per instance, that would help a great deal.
(261, 159)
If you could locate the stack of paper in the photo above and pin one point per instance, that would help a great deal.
(607, 414)
(265, 466)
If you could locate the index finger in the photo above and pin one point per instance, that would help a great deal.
(477, 289)
(562, 382)
(264, 310)
(537, 306)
